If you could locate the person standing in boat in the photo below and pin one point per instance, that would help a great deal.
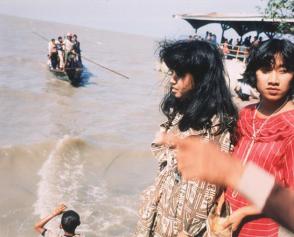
(60, 50)
(198, 103)
(77, 47)
(68, 45)
(52, 54)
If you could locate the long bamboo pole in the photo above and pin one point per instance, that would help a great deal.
(88, 59)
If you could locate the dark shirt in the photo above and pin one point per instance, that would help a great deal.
(280, 206)
(76, 47)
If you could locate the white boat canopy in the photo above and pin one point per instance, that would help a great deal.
(241, 23)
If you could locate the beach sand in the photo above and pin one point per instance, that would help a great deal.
(87, 146)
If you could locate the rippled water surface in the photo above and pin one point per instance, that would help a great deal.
(86, 146)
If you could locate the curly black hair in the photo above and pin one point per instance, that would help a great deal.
(210, 97)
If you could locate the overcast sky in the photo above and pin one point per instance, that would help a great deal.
(146, 17)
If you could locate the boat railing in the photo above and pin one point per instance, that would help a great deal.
(235, 51)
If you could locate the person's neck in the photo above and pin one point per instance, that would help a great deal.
(267, 108)
(68, 234)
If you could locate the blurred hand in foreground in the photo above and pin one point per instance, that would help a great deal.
(199, 159)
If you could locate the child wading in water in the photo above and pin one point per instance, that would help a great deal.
(198, 103)
(266, 131)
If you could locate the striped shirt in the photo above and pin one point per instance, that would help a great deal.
(272, 150)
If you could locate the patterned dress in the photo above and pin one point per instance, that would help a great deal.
(272, 150)
(171, 205)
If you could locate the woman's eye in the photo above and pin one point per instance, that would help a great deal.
(283, 70)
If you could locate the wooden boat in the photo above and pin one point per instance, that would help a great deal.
(72, 72)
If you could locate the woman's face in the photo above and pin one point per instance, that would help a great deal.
(180, 86)
(274, 83)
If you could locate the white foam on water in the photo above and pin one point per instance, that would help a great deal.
(61, 178)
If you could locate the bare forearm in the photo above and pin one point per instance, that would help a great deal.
(251, 210)
(39, 226)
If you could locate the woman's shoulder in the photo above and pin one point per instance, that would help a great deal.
(246, 114)
(280, 127)
(288, 117)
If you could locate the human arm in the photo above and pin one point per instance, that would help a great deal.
(39, 226)
(237, 216)
(280, 206)
(200, 160)
(159, 137)
(271, 198)
(158, 148)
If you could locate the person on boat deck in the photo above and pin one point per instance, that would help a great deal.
(52, 53)
(60, 50)
(225, 48)
(68, 45)
(77, 47)
(70, 220)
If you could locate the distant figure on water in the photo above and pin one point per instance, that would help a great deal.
(198, 103)
(68, 45)
(70, 220)
(77, 47)
(225, 48)
(60, 50)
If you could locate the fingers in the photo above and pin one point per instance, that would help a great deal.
(172, 140)
(227, 223)
(233, 221)
(59, 209)
(62, 206)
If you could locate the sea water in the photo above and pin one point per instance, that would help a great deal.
(87, 147)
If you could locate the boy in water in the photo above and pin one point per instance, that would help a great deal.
(69, 222)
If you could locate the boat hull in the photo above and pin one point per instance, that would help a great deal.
(74, 75)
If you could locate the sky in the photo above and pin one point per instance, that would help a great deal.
(145, 17)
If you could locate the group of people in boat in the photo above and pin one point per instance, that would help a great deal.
(64, 52)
